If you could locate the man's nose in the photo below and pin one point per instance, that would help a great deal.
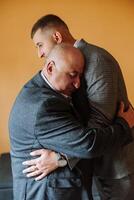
(40, 53)
(77, 83)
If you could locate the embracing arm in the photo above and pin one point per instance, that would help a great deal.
(105, 88)
(58, 129)
(46, 162)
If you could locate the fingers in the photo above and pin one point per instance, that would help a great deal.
(29, 169)
(37, 152)
(40, 176)
(121, 109)
(35, 173)
(30, 162)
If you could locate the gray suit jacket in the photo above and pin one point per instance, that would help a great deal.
(104, 86)
(43, 118)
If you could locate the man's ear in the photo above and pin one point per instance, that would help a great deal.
(57, 37)
(50, 67)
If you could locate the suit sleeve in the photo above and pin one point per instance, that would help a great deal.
(58, 129)
(105, 88)
(101, 92)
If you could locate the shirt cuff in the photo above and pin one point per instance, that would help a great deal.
(72, 162)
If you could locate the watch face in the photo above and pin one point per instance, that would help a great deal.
(62, 163)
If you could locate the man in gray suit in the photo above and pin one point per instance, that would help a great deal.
(104, 87)
(43, 117)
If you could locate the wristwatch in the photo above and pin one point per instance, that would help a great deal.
(62, 162)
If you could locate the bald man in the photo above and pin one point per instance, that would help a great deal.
(43, 117)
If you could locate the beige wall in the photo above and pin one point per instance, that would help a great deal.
(108, 23)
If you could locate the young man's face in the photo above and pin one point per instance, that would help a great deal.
(44, 42)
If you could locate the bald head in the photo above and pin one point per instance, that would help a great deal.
(63, 68)
(65, 53)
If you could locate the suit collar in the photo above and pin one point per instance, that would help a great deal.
(39, 81)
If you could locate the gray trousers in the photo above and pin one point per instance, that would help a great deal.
(114, 189)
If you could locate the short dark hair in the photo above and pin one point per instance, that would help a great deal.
(48, 20)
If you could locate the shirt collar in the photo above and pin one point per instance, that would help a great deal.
(45, 78)
(76, 43)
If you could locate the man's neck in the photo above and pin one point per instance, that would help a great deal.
(69, 40)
